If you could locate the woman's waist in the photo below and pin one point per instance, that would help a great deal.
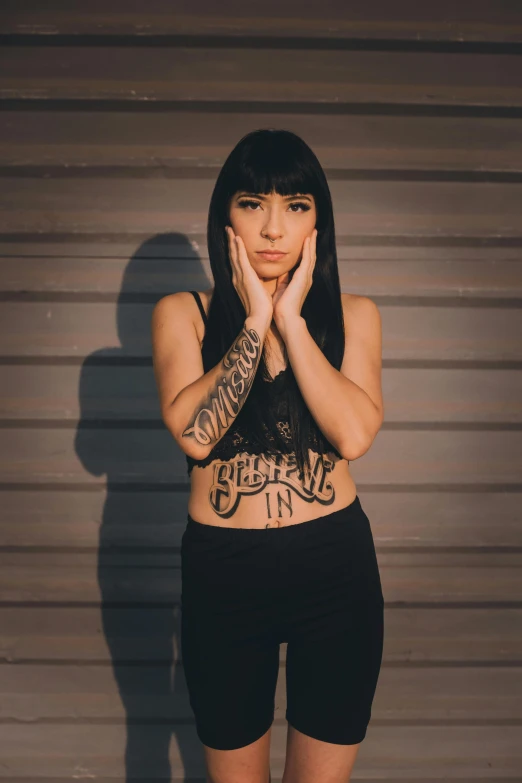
(258, 491)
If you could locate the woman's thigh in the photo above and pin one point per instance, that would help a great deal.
(231, 685)
(229, 649)
(331, 678)
(335, 635)
(309, 760)
(249, 764)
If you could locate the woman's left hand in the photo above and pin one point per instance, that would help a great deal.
(289, 296)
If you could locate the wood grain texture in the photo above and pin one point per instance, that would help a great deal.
(88, 694)
(419, 210)
(422, 456)
(69, 633)
(379, 271)
(134, 579)
(254, 75)
(354, 144)
(484, 21)
(92, 333)
(448, 395)
(69, 519)
(430, 752)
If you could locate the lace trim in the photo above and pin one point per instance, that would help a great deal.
(235, 442)
(278, 375)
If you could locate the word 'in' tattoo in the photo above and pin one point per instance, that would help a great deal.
(225, 401)
(280, 500)
(249, 475)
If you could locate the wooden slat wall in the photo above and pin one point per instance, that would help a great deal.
(115, 120)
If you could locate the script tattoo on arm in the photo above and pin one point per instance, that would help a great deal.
(224, 401)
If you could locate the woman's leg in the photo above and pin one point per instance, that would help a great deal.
(250, 764)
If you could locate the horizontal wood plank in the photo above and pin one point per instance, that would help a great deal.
(254, 75)
(179, 206)
(101, 332)
(165, 248)
(373, 19)
(141, 578)
(390, 752)
(43, 393)
(73, 520)
(348, 145)
(426, 635)
(497, 277)
(425, 457)
(89, 693)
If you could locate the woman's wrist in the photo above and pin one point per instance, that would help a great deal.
(259, 323)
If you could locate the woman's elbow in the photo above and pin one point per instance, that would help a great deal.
(188, 445)
(358, 446)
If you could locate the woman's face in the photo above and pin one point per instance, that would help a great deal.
(287, 220)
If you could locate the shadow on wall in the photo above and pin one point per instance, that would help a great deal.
(121, 435)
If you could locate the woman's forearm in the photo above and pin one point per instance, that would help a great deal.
(204, 410)
(341, 409)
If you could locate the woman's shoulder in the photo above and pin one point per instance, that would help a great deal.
(179, 311)
(361, 316)
(357, 305)
(184, 300)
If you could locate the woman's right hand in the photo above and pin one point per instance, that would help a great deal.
(254, 296)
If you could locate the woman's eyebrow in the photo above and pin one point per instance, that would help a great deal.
(263, 198)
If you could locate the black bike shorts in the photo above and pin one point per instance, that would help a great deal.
(314, 585)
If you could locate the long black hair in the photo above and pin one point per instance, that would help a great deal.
(274, 161)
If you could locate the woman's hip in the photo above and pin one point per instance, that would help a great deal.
(320, 554)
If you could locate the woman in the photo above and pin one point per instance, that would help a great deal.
(270, 382)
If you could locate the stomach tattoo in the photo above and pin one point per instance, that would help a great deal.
(253, 474)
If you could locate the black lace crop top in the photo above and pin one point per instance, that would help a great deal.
(236, 439)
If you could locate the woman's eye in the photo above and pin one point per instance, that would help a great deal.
(305, 207)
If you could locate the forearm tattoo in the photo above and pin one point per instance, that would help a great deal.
(223, 403)
(251, 474)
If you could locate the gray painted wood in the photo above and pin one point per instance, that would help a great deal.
(360, 19)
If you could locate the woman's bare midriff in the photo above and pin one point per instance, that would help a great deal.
(259, 491)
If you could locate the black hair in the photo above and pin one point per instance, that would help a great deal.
(274, 161)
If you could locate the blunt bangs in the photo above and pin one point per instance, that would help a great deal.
(273, 161)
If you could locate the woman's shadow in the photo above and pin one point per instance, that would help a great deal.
(121, 435)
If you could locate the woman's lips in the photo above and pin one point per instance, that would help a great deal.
(271, 256)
